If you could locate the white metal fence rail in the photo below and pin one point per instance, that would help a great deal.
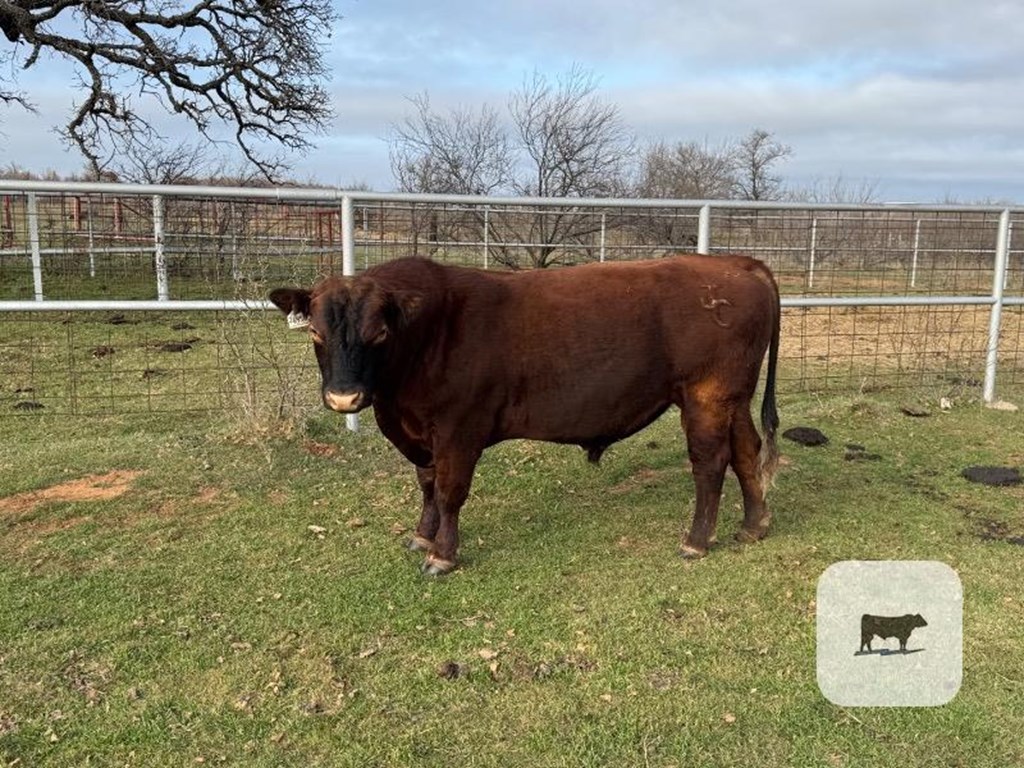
(797, 239)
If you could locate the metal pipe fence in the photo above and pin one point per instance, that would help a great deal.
(119, 298)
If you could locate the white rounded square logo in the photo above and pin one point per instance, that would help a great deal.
(890, 633)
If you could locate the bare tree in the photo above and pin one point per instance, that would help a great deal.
(756, 156)
(688, 171)
(684, 171)
(252, 66)
(461, 152)
(182, 163)
(576, 144)
(566, 142)
(837, 190)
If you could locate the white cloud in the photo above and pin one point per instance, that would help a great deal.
(920, 97)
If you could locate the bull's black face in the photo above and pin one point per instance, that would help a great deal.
(351, 324)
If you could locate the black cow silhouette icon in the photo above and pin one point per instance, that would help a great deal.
(885, 627)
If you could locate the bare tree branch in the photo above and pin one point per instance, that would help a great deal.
(254, 66)
(688, 171)
(756, 156)
(460, 152)
(577, 146)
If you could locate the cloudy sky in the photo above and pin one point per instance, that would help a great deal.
(917, 99)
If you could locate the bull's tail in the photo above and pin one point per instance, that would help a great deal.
(768, 459)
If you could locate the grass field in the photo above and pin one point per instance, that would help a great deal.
(165, 602)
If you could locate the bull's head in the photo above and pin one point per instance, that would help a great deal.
(352, 323)
(919, 621)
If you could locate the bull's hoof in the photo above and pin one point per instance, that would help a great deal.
(418, 543)
(748, 536)
(435, 566)
(690, 552)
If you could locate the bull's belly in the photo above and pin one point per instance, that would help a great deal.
(581, 421)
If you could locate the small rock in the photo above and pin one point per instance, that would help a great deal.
(997, 476)
(915, 411)
(808, 436)
(175, 346)
(861, 456)
(945, 404)
(855, 452)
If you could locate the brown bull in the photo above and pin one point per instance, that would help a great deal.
(454, 360)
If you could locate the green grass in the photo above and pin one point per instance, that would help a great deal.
(197, 616)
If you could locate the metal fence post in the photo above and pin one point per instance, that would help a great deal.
(603, 223)
(487, 235)
(998, 280)
(814, 245)
(33, 239)
(913, 263)
(704, 230)
(92, 239)
(1009, 254)
(348, 268)
(159, 260)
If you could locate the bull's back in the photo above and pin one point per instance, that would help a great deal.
(600, 350)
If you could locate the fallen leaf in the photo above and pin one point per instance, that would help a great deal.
(317, 529)
(487, 654)
(367, 653)
(729, 718)
(398, 529)
(356, 522)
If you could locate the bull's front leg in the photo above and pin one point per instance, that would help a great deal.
(430, 519)
(453, 476)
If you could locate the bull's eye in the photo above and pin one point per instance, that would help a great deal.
(315, 335)
(381, 337)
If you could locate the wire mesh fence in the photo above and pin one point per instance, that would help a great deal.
(103, 243)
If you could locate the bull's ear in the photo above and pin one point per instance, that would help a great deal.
(408, 303)
(294, 302)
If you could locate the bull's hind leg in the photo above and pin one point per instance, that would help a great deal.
(746, 448)
(706, 421)
(430, 519)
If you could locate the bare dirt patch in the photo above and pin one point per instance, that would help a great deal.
(89, 488)
(324, 450)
